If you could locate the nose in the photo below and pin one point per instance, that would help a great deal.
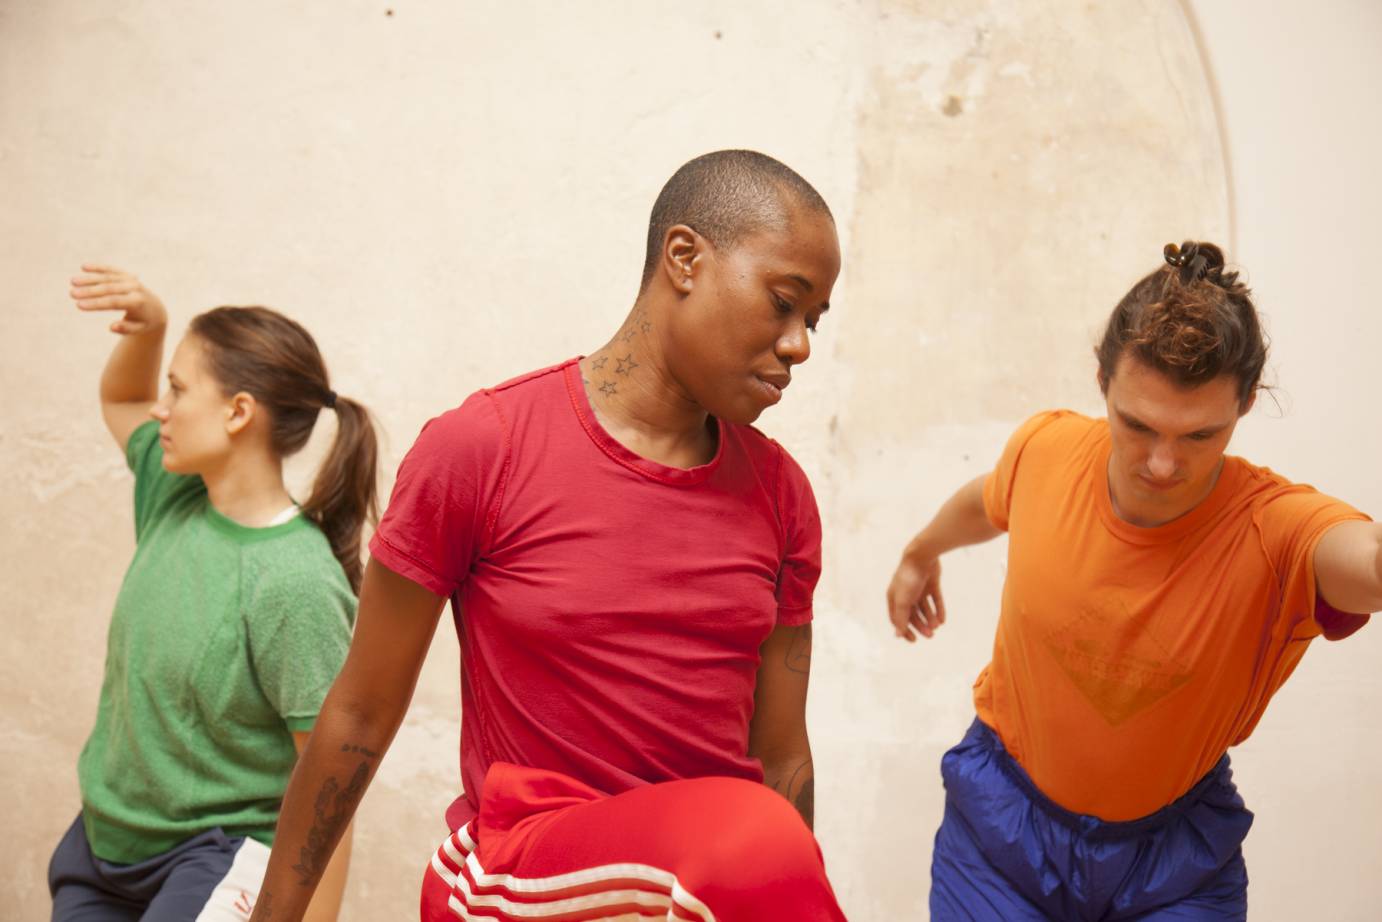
(1161, 463)
(794, 345)
(158, 411)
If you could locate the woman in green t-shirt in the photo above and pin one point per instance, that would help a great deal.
(233, 618)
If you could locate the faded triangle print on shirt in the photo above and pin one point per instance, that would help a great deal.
(1120, 669)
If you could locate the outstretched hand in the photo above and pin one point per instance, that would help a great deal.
(106, 288)
(914, 598)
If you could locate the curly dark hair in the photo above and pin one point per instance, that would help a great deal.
(1192, 320)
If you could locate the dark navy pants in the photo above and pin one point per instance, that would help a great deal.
(1005, 853)
(211, 877)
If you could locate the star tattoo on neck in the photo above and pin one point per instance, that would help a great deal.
(609, 388)
(626, 365)
(599, 364)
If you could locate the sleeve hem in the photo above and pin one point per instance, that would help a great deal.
(402, 563)
(301, 724)
(794, 616)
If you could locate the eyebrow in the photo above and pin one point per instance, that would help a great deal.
(1206, 430)
(801, 280)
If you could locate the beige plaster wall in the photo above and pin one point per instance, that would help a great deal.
(1299, 115)
(455, 193)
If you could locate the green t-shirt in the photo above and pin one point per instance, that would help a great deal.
(224, 640)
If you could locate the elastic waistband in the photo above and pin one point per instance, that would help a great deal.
(1093, 826)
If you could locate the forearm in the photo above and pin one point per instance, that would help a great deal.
(794, 778)
(326, 903)
(960, 522)
(330, 779)
(131, 372)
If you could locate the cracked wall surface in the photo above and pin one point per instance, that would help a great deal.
(450, 194)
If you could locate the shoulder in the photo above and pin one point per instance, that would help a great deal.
(779, 471)
(1277, 502)
(1058, 436)
(530, 383)
(488, 414)
(1064, 426)
(295, 568)
(767, 455)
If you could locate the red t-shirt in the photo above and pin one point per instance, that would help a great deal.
(610, 609)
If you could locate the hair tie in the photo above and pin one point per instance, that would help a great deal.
(1173, 255)
(329, 401)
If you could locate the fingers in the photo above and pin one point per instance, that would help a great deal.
(898, 614)
(98, 289)
(115, 302)
(939, 602)
(924, 617)
(102, 269)
(901, 623)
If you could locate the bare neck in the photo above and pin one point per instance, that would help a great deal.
(638, 401)
(248, 487)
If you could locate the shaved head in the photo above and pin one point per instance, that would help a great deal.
(725, 197)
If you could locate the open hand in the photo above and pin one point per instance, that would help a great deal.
(105, 288)
(914, 598)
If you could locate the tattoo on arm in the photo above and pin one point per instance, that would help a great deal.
(799, 650)
(333, 810)
(351, 747)
(800, 790)
(805, 801)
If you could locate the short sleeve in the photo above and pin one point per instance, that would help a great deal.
(1292, 520)
(299, 633)
(998, 485)
(154, 487)
(801, 560)
(445, 498)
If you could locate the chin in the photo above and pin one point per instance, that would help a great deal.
(740, 415)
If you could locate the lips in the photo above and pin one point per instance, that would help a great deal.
(1160, 486)
(773, 385)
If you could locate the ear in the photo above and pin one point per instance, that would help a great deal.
(242, 410)
(682, 250)
(1248, 404)
(1103, 381)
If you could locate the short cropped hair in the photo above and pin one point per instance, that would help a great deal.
(725, 197)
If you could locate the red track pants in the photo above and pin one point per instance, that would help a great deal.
(547, 848)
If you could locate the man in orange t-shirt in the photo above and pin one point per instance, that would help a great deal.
(1158, 594)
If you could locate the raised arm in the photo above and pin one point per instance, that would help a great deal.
(129, 384)
(1348, 567)
(914, 595)
(777, 736)
(358, 720)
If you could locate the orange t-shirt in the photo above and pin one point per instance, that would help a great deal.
(1128, 659)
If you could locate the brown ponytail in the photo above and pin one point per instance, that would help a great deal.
(274, 359)
(1190, 319)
